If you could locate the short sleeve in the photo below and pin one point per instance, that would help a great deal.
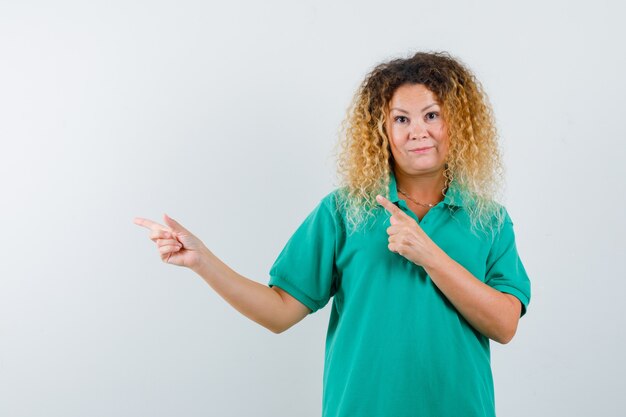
(505, 271)
(305, 267)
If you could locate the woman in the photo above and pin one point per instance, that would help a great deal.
(418, 256)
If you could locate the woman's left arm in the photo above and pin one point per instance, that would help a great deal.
(493, 313)
(490, 311)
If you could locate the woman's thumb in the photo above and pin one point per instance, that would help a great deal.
(176, 227)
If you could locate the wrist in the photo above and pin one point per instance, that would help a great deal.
(436, 260)
(205, 257)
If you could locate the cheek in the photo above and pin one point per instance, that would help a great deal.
(392, 133)
(444, 148)
(393, 148)
(442, 137)
(442, 132)
(394, 138)
(396, 146)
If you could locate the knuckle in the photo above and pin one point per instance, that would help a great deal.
(156, 235)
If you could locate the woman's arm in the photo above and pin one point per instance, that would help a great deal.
(488, 310)
(272, 308)
(260, 303)
(492, 312)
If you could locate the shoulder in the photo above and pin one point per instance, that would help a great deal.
(499, 211)
(332, 201)
(485, 218)
(331, 204)
(503, 226)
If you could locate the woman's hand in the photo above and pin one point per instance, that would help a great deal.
(176, 245)
(406, 237)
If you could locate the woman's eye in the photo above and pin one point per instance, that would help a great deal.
(434, 115)
(400, 119)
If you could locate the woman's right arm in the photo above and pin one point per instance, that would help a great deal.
(271, 307)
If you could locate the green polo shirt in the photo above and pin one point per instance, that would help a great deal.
(395, 345)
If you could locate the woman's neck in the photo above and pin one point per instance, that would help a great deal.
(424, 188)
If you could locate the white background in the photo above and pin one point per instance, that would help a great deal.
(225, 116)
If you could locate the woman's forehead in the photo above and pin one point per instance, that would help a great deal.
(412, 96)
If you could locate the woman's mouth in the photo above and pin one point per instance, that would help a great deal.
(421, 150)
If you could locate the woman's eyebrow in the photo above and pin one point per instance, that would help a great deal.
(404, 111)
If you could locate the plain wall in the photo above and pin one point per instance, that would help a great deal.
(224, 115)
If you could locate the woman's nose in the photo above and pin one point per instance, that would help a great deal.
(419, 130)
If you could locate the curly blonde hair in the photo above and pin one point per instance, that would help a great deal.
(473, 163)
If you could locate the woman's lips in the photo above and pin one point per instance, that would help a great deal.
(421, 150)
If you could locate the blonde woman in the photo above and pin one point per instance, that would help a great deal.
(418, 256)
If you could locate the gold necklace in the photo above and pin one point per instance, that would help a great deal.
(417, 202)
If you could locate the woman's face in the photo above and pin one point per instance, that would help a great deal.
(417, 133)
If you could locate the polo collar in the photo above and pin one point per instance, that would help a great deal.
(453, 196)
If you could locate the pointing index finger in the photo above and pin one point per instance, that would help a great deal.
(389, 206)
(149, 224)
